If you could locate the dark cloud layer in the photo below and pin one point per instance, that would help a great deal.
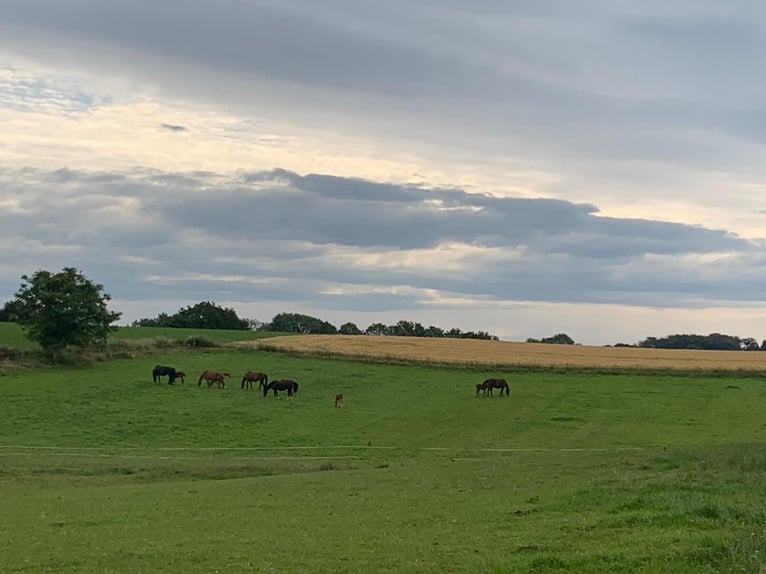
(279, 235)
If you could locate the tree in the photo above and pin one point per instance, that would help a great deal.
(349, 329)
(208, 315)
(63, 309)
(749, 344)
(9, 311)
(204, 315)
(377, 329)
(558, 339)
(299, 323)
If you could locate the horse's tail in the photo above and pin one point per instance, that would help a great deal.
(244, 378)
(265, 379)
(199, 381)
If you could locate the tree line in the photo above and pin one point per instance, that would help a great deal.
(64, 309)
(208, 315)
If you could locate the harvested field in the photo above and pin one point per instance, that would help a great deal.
(504, 353)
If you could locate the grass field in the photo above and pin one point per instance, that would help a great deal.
(103, 471)
(12, 335)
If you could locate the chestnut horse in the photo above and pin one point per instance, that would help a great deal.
(253, 376)
(281, 385)
(213, 377)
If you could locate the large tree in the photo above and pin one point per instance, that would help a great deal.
(208, 315)
(63, 309)
(204, 315)
(300, 323)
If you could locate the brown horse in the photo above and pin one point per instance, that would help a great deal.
(480, 388)
(180, 375)
(254, 376)
(490, 384)
(338, 400)
(213, 377)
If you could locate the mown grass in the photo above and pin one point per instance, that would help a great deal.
(104, 471)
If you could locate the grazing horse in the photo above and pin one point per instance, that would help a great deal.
(253, 376)
(281, 385)
(169, 372)
(338, 400)
(480, 388)
(213, 377)
(501, 384)
(180, 375)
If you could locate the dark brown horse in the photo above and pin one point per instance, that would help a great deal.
(490, 384)
(480, 388)
(281, 385)
(213, 378)
(252, 377)
(169, 372)
(180, 375)
(338, 400)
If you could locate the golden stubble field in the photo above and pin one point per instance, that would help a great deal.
(505, 353)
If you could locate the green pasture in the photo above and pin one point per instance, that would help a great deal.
(12, 336)
(103, 471)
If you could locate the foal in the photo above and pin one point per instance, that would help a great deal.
(338, 400)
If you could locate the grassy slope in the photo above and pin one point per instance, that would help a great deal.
(12, 335)
(104, 471)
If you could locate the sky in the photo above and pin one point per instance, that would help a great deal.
(524, 168)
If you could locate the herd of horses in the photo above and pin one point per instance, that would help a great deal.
(218, 379)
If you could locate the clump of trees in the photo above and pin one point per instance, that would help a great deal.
(204, 315)
(59, 310)
(713, 341)
(558, 339)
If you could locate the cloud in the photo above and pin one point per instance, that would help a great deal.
(174, 127)
(449, 155)
(278, 235)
